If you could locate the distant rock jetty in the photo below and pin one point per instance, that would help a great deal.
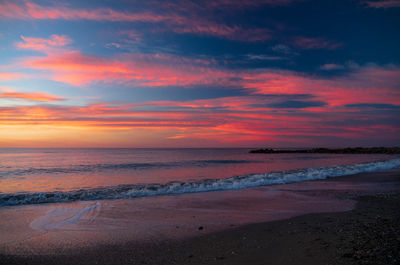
(349, 150)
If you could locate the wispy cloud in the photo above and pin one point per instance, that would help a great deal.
(55, 43)
(366, 84)
(238, 120)
(307, 43)
(29, 96)
(331, 66)
(204, 27)
(382, 3)
(9, 76)
(30, 10)
(173, 21)
(140, 69)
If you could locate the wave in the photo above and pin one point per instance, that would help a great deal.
(99, 167)
(177, 187)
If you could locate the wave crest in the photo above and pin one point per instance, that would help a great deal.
(177, 187)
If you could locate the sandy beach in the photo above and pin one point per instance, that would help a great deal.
(368, 234)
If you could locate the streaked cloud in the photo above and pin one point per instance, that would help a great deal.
(331, 66)
(383, 3)
(31, 10)
(196, 73)
(30, 96)
(307, 43)
(8, 76)
(173, 21)
(141, 69)
(50, 45)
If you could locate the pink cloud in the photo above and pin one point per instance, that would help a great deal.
(30, 10)
(315, 43)
(239, 120)
(331, 66)
(383, 3)
(52, 44)
(363, 85)
(173, 21)
(8, 76)
(150, 70)
(367, 84)
(31, 96)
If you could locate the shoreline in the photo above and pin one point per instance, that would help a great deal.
(368, 234)
(178, 187)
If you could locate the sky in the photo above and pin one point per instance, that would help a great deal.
(228, 73)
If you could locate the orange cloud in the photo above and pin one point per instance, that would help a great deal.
(236, 121)
(33, 96)
(7, 76)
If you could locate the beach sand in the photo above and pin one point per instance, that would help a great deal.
(368, 234)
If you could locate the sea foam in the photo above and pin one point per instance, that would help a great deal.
(204, 185)
(59, 218)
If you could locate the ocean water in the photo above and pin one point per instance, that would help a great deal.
(34, 176)
(71, 199)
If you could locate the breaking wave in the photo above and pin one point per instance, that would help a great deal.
(204, 185)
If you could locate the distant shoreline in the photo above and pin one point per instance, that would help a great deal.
(348, 150)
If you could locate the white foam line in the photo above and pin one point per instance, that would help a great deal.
(57, 218)
(177, 187)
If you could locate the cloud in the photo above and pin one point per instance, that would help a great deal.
(364, 85)
(207, 27)
(30, 10)
(282, 48)
(301, 111)
(190, 22)
(30, 96)
(226, 5)
(262, 57)
(140, 69)
(50, 45)
(9, 76)
(383, 3)
(113, 45)
(237, 122)
(315, 43)
(331, 66)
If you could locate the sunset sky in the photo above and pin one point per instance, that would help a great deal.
(272, 73)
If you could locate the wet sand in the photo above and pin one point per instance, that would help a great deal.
(368, 234)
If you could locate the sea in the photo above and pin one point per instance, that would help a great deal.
(69, 199)
(31, 176)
